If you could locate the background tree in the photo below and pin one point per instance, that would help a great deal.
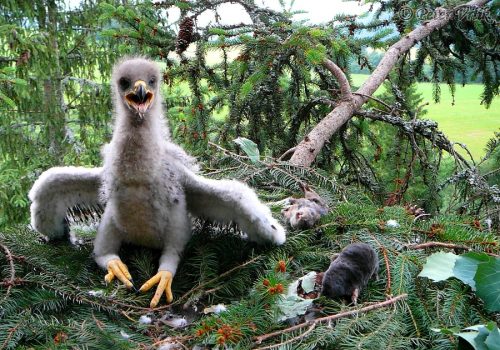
(57, 108)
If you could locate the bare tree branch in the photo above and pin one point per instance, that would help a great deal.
(259, 339)
(345, 87)
(311, 145)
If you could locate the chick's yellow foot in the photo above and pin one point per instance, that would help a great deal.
(119, 270)
(164, 281)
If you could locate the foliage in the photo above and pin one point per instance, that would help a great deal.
(480, 271)
(55, 296)
(55, 107)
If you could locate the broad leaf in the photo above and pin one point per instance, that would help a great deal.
(488, 284)
(493, 339)
(439, 266)
(466, 267)
(308, 282)
(249, 147)
(293, 306)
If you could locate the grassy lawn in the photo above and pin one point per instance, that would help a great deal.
(467, 121)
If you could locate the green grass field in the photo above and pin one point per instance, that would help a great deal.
(466, 121)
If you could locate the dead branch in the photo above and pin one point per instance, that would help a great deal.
(288, 152)
(291, 340)
(423, 127)
(436, 244)
(345, 87)
(259, 339)
(311, 145)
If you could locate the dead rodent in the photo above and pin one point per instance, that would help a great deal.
(350, 272)
(303, 213)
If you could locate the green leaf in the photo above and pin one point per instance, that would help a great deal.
(249, 147)
(493, 339)
(439, 266)
(308, 282)
(292, 306)
(488, 284)
(466, 267)
(473, 338)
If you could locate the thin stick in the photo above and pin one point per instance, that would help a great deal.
(203, 285)
(259, 339)
(291, 150)
(374, 99)
(300, 336)
(388, 268)
(436, 244)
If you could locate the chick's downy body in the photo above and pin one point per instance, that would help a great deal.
(141, 180)
(148, 185)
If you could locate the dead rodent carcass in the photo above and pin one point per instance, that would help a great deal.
(350, 272)
(303, 213)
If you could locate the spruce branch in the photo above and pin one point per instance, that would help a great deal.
(11, 279)
(209, 282)
(259, 339)
(313, 142)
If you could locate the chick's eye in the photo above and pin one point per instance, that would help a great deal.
(124, 83)
(152, 81)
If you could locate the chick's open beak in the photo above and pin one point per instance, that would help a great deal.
(140, 98)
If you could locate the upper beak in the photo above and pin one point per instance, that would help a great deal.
(140, 98)
(140, 91)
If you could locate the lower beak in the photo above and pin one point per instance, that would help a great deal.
(140, 98)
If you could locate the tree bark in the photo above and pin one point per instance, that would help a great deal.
(307, 150)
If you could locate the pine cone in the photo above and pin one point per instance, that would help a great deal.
(185, 35)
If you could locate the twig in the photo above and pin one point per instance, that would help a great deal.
(291, 150)
(203, 285)
(12, 276)
(259, 339)
(436, 244)
(388, 268)
(374, 99)
(176, 340)
(300, 336)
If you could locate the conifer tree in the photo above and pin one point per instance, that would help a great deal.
(381, 173)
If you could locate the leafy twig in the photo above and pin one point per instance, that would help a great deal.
(259, 339)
